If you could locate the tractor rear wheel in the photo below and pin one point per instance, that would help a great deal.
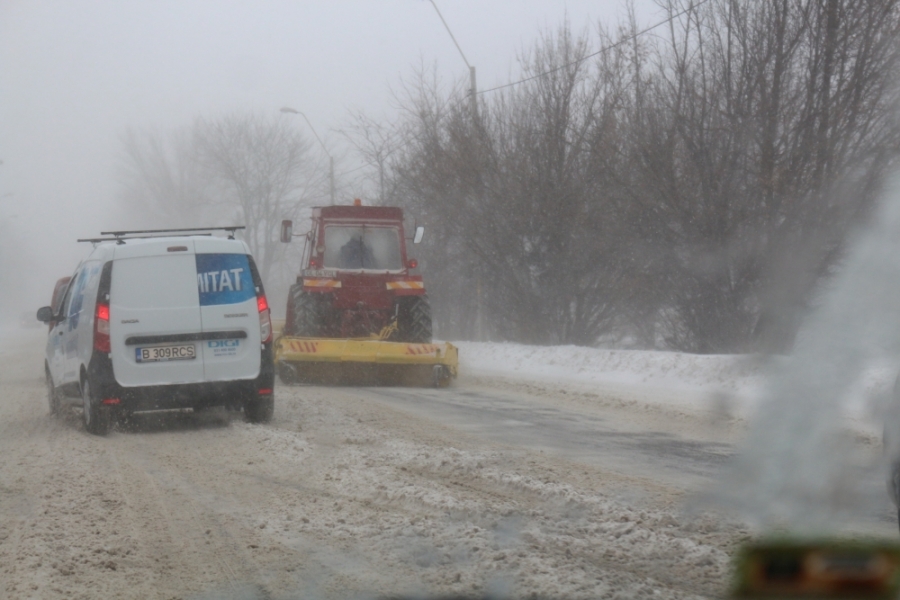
(414, 319)
(307, 313)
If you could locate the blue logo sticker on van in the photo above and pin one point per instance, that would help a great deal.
(223, 343)
(224, 279)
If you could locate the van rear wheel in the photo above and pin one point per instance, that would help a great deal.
(52, 394)
(259, 410)
(96, 416)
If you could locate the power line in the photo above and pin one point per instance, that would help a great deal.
(600, 51)
(353, 170)
(452, 37)
(473, 88)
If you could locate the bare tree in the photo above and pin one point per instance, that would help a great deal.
(760, 132)
(239, 169)
(161, 183)
(260, 171)
(376, 142)
(522, 200)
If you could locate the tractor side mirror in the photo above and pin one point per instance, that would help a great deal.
(287, 230)
(420, 232)
(45, 314)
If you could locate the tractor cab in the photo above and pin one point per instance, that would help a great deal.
(356, 280)
(357, 238)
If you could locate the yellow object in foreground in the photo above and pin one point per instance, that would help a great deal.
(825, 568)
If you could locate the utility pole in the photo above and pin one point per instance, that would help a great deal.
(292, 111)
(473, 95)
(331, 178)
(473, 106)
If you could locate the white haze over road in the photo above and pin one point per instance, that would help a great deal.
(75, 76)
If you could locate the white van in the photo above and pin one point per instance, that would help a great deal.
(161, 323)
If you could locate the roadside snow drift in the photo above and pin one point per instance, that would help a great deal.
(669, 379)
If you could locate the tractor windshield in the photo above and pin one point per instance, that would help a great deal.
(362, 247)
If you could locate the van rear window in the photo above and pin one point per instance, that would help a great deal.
(154, 282)
(224, 279)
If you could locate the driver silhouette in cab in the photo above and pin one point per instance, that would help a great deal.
(355, 254)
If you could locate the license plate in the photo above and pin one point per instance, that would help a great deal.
(158, 353)
(318, 273)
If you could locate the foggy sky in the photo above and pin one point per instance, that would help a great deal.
(75, 75)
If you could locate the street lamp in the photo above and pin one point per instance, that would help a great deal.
(292, 111)
(473, 89)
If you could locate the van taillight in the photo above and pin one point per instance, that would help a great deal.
(265, 322)
(101, 328)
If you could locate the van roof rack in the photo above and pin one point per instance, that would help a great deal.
(139, 234)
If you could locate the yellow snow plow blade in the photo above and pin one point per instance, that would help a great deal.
(817, 568)
(306, 359)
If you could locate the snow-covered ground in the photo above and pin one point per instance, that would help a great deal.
(690, 382)
(349, 492)
(555, 471)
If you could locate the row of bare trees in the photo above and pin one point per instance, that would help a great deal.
(688, 189)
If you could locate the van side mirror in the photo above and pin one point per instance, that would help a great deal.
(287, 230)
(420, 231)
(45, 314)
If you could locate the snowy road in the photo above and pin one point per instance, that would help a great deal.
(594, 437)
(489, 486)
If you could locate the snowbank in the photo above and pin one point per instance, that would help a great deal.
(675, 379)
(578, 364)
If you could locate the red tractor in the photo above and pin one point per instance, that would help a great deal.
(356, 282)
